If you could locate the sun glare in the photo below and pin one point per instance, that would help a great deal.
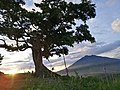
(12, 72)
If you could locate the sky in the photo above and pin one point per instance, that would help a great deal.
(105, 27)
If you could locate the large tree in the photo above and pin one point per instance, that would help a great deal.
(46, 32)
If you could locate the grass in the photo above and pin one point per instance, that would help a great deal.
(28, 82)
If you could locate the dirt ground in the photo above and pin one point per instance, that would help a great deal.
(11, 82)
(5, 82)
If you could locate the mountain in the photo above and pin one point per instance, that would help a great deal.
(90, 65)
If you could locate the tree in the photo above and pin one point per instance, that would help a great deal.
(46, 32)
(1, 58)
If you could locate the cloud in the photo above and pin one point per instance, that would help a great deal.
(91, 49)
(112, 54)
(116, 25)
(30, 5)
(29, 2)
(26, 65)
(37, 1)
(18, 62)
(79, 51)
(105, 48)
(75, 1)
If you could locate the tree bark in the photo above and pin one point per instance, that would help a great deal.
(40, 69)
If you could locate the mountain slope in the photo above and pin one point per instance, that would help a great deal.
(94, 65)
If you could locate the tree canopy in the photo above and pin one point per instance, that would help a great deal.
(53, 25)
(49, 30)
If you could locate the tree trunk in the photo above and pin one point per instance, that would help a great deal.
(40, 69)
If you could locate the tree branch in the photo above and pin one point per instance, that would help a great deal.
(14, 48)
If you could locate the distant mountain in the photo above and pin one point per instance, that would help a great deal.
(89, 65)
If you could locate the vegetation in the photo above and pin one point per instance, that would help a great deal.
(46, 32)
(1, 58)
(20, 82)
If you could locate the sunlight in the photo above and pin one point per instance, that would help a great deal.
(12, 72)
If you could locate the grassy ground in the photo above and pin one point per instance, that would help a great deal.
(28, 82)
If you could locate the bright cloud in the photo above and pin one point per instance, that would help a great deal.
(30, 5)
(112, 54)
(116, 25)
(75, 54)
(37, 1)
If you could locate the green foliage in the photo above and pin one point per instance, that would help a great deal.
(51, 27)
(47, 32)
(67, 83)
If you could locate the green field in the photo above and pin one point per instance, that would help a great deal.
(28, 82)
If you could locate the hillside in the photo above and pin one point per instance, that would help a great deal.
(94, 65)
